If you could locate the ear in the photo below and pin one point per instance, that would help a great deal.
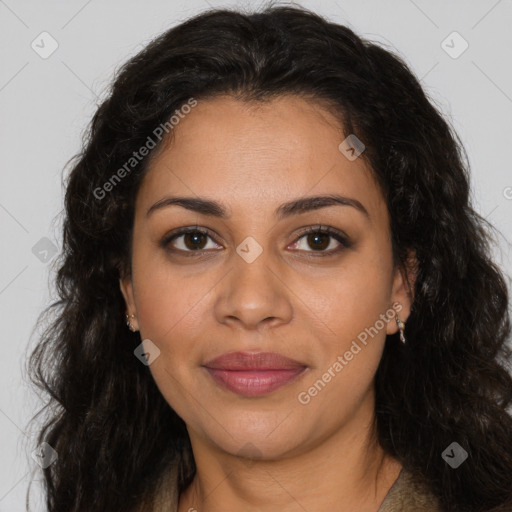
(402, 295)
(126, 286)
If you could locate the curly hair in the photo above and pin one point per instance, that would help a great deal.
(114, 433)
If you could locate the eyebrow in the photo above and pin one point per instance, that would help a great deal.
(297, 206)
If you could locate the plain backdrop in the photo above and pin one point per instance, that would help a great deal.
(46, 103)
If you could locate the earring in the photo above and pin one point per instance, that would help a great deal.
(401, 326)
(129, 323)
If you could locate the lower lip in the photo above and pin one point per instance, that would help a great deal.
(254, 382)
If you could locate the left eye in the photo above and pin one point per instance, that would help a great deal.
(318, 239)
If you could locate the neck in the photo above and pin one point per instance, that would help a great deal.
(346, 471)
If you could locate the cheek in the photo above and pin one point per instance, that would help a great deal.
(168, 311)
(350, 352)
(356, 296)
(172, 308)
(164, 299)
(158, 307)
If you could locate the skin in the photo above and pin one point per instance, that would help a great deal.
(252, 159)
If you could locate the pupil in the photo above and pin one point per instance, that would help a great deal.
(317, 236)
(195, 241)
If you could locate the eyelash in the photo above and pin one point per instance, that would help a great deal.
(319, 230)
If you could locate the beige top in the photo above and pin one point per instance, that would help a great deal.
(404, 496)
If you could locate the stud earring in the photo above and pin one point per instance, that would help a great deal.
(129, 323)
(401, 326)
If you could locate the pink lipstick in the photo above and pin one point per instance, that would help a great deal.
(253, 373)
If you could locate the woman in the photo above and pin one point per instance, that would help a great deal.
(274, 292)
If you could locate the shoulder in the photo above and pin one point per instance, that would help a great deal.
(407, 494)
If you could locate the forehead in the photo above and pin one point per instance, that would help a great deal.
(256, 155)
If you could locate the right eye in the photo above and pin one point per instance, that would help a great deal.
(193, 240)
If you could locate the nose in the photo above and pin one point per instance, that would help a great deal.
(253, 295)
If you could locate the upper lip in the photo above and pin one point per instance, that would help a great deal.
(253, 361)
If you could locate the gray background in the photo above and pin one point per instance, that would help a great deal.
(46, 104)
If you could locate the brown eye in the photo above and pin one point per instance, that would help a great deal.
(319, 239)
(188, 240)
(194, 240)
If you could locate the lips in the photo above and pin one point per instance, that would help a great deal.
(253, 374)
(253, 361)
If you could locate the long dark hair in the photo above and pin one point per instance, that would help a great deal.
(114, 433)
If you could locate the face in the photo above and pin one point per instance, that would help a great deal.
(253, 280)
